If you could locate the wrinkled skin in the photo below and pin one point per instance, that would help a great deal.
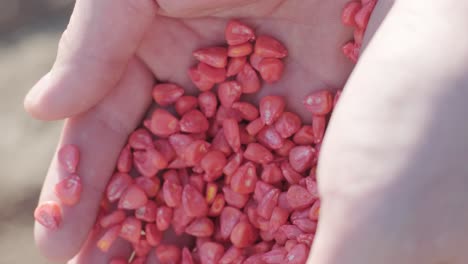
(102, 81)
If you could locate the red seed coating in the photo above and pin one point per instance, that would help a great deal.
(69, 157)
(230, 255)
(279, 217)
(168, 254)
(194, 122)
(255, 61)
(149, 162)
(271, 69)
(269, 47)
(238, 33)
(232, 165)
(285, 149)
(125, 160)
(319, 102)
(213, 164)
(180, 142)
(224, 113)
(318, 127)
(200, 227)
(235, 199)
(305, 136)
(142, 248)
(208, 103)
(163, 217)
(162, 123)
(275, 256)
(109, 237)
(117, 185)
(167, 93)
(213, 56)
(244, 179)
(172, 193)
(215, 75)
(248, 79)
(247, 110)
(255, 126)
(271, 173)
(268, 203)
(306, 225)
(193, 202)
(131, 229)
(288, 124)
(211, 253)
(301, 158)
(200, 80)
(133, 198)
(292, 176)
(243, 234)
(147, 212)
(299, 197)
(235, 65)
(217, 206)
(194, 152)
(258, 153)
(185, 104)
(297, 255)
(271, 108)
(349, 12)
(49, 215)
(113, 218)
(229, 218)
(270, 138)
(231, 133)
(240, 50)
(229, 92)
(151, 186)
(261, 189)
(69, 190)
(283, 202)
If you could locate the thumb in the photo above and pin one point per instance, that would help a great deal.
(93, 53)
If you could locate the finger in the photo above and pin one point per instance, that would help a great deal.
(93, 53)
(99, 134)
(90, 254)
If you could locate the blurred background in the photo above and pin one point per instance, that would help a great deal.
(29, 34)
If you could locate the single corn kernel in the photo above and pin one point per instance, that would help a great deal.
(194, 122)
(109, 237)
(291, 176)
(240, 50)
(213, 164)
(151, 186)
(255, 61)
(69, 190)
(195, 152)
(319, 102)
(149, 162)
(288, 124)
(147, 212)
(180, 220)
(220, 143)
(49, 215)
(167, 93)
(212, 74)
(231, 133)
(200, 80)
(193, 202)
(133, 198)
(185, 104)
(271, 108)
(228, 219)
(349, 12)
(269, 47)
(244, 179)
(271, 173)
(165, 148)
(255, 126)
(249, 80)
(297, 255)
(271, 69)
(200, 227)
(131, 229)
(285, 149)
(235, 199)
(231, 255)
(268, 203)
(125, 160)
(217, 205)
(162, 123)
(69, 157)
(211, 252)
(237, 33)
(232, 165)
(187, 256)
(168, 254)
(172, 193)
(117, 185)
(363, 15)
(247, 110)
(270, 138)
(229, 92)
(351, 50)
(180, 142)
(163, 217)
(301, 158)
(279, 217)
(276, 255)
(235, 65)
(306, 225)
(243, 234)
(258, 153)
(299, 197)
(304, 136)
(318, 127)
(213, 56)
(116, 217)
(208, 103)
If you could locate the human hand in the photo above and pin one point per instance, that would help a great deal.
(103, 76)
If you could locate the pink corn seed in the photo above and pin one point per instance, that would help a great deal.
(244, 179)
(270, 138)
(229, 218)
(180, 142)
(165, 148)
(187, 256)
(318, 127)
(211, 253)
(109, 237)
(240, 50)
(297, 255)
(151, 186)
(271, 173)
(194, 152)
(248, 79)
(291, 176)
(167, 93)
(319, 102)
(275, 256)
(213, 56)
(133, 198)
(117, 185)
(237, 33)
(200, 80)
(140, 139)
(229, 92)
(234, 198)
(125, 160)
(349, 12)
(258, 153)
(194, 122)
(162, 123)
(363, 15)
(69, 157)
(185, 104)
(255, 126)
(247, 111)
(231, 133)
(299, 197)
(315, 211)
(304, 136)
(230, 255)
(193, 202)
(301, 157)
(269, 47)
(149, 162)
(147, 212)
(271, 69)
(69, 190)
(217, 206)
(255, 61)
(163, 217)
(288, 124)
(208, 103)
(285, 149)
(200, 227)
(271, 108)
(232, 165)
(49, 215)
(279, 217)
(113, 218)
(235, 65)
(131, 229)
(243, 234)
(306, 225)
(172, 193)
(268, 203)
(212, 74)
(213, 164)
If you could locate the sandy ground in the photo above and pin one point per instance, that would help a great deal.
(28, 40)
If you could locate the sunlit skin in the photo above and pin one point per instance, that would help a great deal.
(112, 50)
